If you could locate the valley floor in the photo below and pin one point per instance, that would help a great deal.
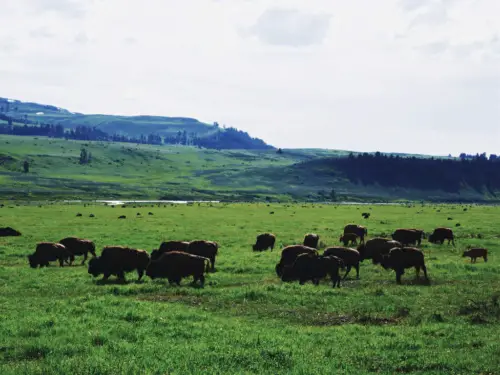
(245, 320)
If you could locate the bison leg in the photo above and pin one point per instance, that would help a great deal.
(485, 258)
(61, 262)
(425, 271)
(202, 280)
(398, 276)
(84, 258)
(212, 260)
(316, 281)
(357, 270)
(106, 276)
(302, 281)
(140, 273)
(473, 260)
(347, 271)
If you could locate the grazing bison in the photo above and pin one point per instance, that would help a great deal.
(441, 234)
(311, 240)
(264, 241)
(116, 260)
(310, 266)
(376, 247)
(290, 253)
(476, 252)
(349, 238)
(168, 246)
(207, 249)
(122, 217)
(349, 256)
(177, 264)
(408, 236)
(359, 230)
(9, 232)
(400, 259)
(79, 246)
(48, 252)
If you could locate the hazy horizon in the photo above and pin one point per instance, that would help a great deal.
(409, 76)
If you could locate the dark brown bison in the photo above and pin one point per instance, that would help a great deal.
(176, 265)
(349, 239)
(376, 247)
(399, 259)
(116, 260)
(408, 236)
(476, 252)
(79, 246)
(207, 249)
(441, 234)
(359, 230)
(311, 240)
(310, 266)
(264, 241)
(290, 253)
(349, 256)
(9, 232)
(168, 246)
(48, 252)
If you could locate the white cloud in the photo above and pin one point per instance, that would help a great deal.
(299, 78)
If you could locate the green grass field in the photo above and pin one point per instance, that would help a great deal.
(130, 171)
(245, 320)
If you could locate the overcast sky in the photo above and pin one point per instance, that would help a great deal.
(418, 76)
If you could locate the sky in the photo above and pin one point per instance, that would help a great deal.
(415, 76)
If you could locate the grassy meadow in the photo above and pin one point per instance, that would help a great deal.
(245, 320)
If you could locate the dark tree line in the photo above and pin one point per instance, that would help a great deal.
(228, 138)
(478, 172)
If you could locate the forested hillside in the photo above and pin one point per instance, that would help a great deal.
(23, 119)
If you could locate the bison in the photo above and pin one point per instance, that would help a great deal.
(311, 240)
(169, 246)
(175, 265)
(207, 249)
(310, 266)
(408, 236)
(399, 259)
(79, 246)
(290, 253)
(9, 232)
(359, 230)
(349, 256)
(376, 247)
(349, 238)
(116, 260)
(441, 234)
(476, 252)
(46, 252)
(264, 241)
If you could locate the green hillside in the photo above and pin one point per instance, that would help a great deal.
(124, 170)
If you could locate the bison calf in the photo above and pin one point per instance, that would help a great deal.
(350, 257)
(359, 230)
(116, 260)
(48, 252)
(349, 239)
(176, 265)
(79, 246)
(264, 241)
(476, 252)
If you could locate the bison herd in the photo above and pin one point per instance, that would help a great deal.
(175, 260)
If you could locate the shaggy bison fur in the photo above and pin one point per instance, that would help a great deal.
(408, 236)
(441, 234)
(264, 241)
(349, 256)
(168, 246)
(376, 247)
(207, 249)
(176, 265)
(79, 246)
(359, 230)
(310, 266)
(400, 259)
(48, 252)
(290, 253)
(116, 260)
(311, 240)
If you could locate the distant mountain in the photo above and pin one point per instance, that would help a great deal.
(172, 130)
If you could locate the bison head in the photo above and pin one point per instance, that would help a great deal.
(255, 247)
(33, 261)
(385, 261)
(153, 270)
(432, 238)
(155, 254)
(95, 266)
(466, 253)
